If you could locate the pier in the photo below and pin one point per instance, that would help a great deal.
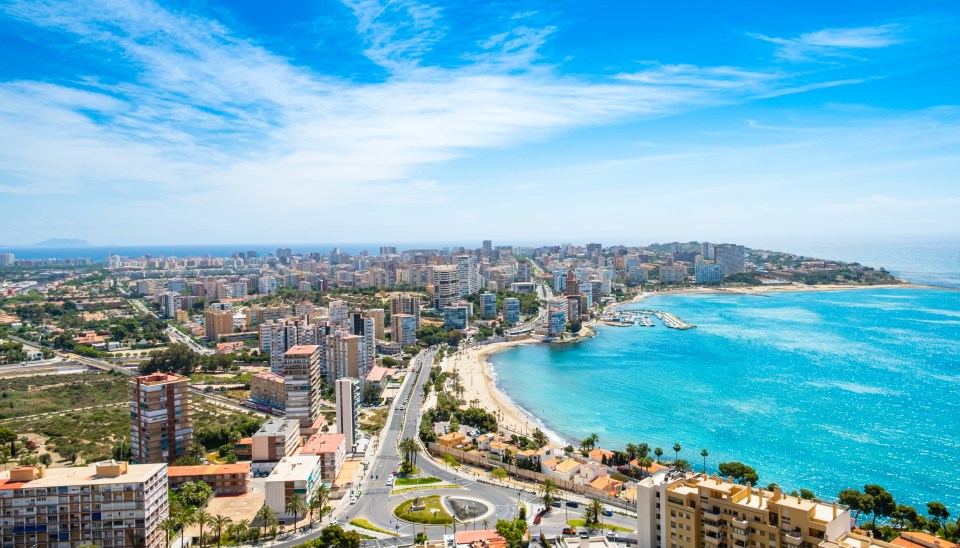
(644, 318)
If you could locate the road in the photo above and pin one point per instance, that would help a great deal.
(175, 334)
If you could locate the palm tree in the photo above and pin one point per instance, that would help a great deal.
(266, 516)
(168, 526)
(594, 512)
(676, 451)
(219, 523)
(643, 450)
(659, 453)
(201, 518)
(410, 449)
(631, 450)
(296, 506)
(321, 494)
(185, 518)
(590, 441)
(486, 523)
(547, 489)
(704, 453)
(240, 531)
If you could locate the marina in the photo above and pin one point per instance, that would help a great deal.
(644, 318)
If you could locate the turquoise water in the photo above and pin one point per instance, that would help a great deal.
(823, 390)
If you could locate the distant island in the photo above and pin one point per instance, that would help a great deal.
(61, 242)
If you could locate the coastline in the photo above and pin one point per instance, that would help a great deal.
(479, 378)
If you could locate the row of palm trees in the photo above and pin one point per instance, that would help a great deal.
(243, 530)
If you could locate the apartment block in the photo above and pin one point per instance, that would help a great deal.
(406, 303)
(511, 310)
(160, 426)
(686, 510)
(348, 401)
(277, 438)
(107, 504)
(731, 258)
(344, 353)
(224, 479)
(217, 323)
(331, 449)
(297, 475)
(488, 306)
(446, 285)
(379, 319)
(267, 391)
(404, 329)
(301, 379)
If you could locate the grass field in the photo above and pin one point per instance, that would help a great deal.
(364, 524)
(581, 524)
(416, 481)
(432, 514)
(90, 433)
(25, 396)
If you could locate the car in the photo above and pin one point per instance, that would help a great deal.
(608, 512)
(353, 499)
(611, 535)
(556, 503)
(584, 534)
(569, 531)
(573, 504)
(537, 518)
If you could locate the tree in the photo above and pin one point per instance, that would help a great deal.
(681, 464)
(659, 453)
(9, 436)
(740, 472)
(589, 442)
(807, 494)
(676, 451)
(333, 535)
(168, 526)
(593, 513)
(454, 423)
(201, 518)
(420, 538)
(539, 438)
(267, 517)
(450, 461)
(219, 523)
(296, 505)
(938, 511)
(704, 453)
(547, 489)
(498, 474)
(883, 503)
(195, 493)
(643, 450)
(318, 500)
(513, 531)
(905, 516)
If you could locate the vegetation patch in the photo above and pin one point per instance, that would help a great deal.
(609, 527)
(24, 396)
(417, 481)
(418, 487)
(364, 524)
(426, 510)
(90, 435)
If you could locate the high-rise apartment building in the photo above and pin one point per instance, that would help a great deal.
(488, 306)
(348, 399)
(511, 310)
(404, 329)
(406, 303)
(686, 510)
(107, 504)
(301, 379)
(446, 285)
(731, 259)
(344, 353)
(160, 426)
(524, 272)
(572, 285)
(6, 259)
(170, 303)
(217, 323)
(379, 319)
(456, 317)
(339, 314)
(469, 274)
(556, 317)
(707, 273)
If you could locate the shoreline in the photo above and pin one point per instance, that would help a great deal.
(479, 379)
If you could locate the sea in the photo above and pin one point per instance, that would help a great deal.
(824, 390)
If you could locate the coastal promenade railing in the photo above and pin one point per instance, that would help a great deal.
(479, 460)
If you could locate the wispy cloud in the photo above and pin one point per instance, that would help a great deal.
(827, 44)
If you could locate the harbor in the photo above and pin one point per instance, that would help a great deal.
(644, 318)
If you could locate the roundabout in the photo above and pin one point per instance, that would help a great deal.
(442, 510)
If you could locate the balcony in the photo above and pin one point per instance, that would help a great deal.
(712, 526)
(740, 534)
(793, 538)
(712, 540)
(740, 523)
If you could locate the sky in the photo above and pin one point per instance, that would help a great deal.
(128, 122)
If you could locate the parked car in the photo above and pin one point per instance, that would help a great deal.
(556, 503)
(611, 535)
(573, 504)
(608, 512)
(537, 518)
(584, 534)
(569, 531)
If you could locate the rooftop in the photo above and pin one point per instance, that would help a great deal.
(86, 475)
(208, 470)
(302, 350)
(297, 468)
(275, 427)
(160, 378)
(323, 443)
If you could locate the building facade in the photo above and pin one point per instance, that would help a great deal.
(301, 380)
(404, 329)
(731, 258)
(348, 400)
(107, 504)
(511, 310)
(160, 425)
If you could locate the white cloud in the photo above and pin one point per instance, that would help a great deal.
(835, 43)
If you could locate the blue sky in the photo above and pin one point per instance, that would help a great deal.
(130, 122)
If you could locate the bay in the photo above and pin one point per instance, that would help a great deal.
(823, 390)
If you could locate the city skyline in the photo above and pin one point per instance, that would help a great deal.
(150, 123)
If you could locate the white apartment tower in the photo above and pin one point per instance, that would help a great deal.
(348, 398)
(469, 272)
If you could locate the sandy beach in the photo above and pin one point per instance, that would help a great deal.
(478, 384)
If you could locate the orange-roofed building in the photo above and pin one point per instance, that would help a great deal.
(917, 539)
(601, 455)
(224, 479)
(485, 538)
(332, 450)
(229, 347)
(651, 470)
(453, 439)
(606, 484)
